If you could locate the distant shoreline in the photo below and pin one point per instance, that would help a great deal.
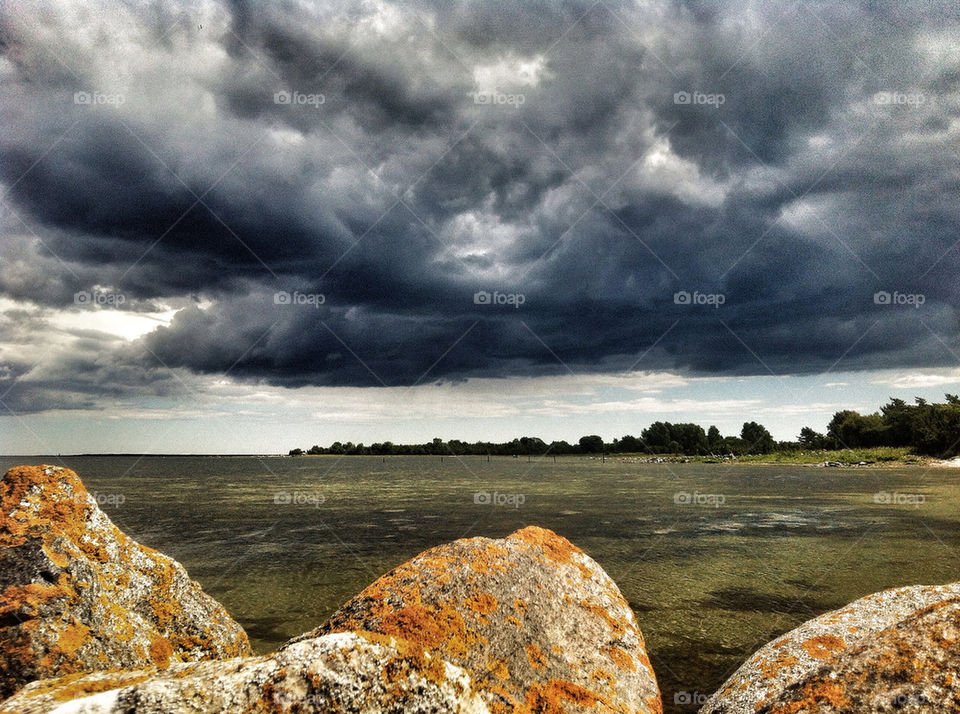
(858, 458)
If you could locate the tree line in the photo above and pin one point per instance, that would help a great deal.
(931, 429)
(659, 438)
(926, 428)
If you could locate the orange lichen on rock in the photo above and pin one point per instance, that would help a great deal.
(621, 658)
(498, 668)
(823, 646)
(482, 603)
(535, 655)
(160, 652)
(72, 636)
(893, 650)
(503, 611)
(549, 698)
(814, 695)
(558, 549)
(79, 594)
(774, 666)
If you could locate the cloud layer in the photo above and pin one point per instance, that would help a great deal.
(692, 186)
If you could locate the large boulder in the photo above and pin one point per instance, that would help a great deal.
(77, 594)
(349, 672)
(893, 651)
(533, 620)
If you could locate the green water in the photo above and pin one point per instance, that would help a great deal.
(709, 583)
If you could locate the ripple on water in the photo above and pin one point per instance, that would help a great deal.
(776, 520)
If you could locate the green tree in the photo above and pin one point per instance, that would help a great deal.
(657, 436)
(592, 444)
(714, 439)
(757, 439)
(811, 439)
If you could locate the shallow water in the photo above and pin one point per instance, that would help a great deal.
(743, 554)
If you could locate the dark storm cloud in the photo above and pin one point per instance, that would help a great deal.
(795, 159)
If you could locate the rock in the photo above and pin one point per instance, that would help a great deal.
(895, 650)
(346, 672)
(79, 595)
(534, 621)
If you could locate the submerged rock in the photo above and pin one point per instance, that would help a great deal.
(77, 594)
(348, 672)
(893, 651)
(533, 620)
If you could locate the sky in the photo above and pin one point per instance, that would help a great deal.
(237, 227)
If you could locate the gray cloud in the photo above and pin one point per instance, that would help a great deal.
(826, 173)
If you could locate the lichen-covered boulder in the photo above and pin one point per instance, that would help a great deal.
(77, 594)
(534, 621)
(348, 672)
(893, 651)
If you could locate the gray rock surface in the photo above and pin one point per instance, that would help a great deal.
(77, 594)
(336, 674)
(537, 624)
(896, 650)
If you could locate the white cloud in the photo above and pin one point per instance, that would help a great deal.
(919, 379)
(510, 72)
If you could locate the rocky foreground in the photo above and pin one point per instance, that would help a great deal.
(80, 595)
(92, 622)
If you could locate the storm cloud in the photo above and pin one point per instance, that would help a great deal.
(393, 193)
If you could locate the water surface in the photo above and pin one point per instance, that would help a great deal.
(714, 559)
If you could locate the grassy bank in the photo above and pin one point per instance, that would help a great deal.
(882, 455)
